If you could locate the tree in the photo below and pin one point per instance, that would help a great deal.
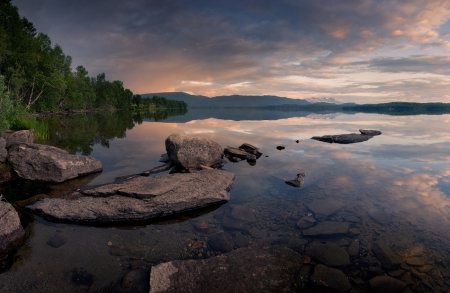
(137, 100)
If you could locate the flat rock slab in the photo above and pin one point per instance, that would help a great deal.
(11, 230)
(325, 207)
(243, 270)
(140, 198)
(331, 278)
(330, 254)
(46, 163)
(327, 228)
(343, 138)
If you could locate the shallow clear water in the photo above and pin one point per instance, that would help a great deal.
(394, 188)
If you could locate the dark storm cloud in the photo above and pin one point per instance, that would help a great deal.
(155, 45)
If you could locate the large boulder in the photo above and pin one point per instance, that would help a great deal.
(243, 270)
(192, 152)
(11, 231)
(140, 198)
(18, 137)
(46, 163)
(3, 152)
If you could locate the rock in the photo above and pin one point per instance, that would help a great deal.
(385, 255)
(331, 278)
(240, 240)
(220, 242)
(140, 198)
(353, 232)
(415, 251)
(386, 284)
(327, 228)
(243, 270)
(306, 222)
(251, 149)
(343, 138)
(18, 137)
(238, 217)
(11, 230)
(234, 152)
(136, 281)
(255, 233)
(242, 213)
(245, 151)
(415, 261)
(330, 254)
(191, 152)
(353, 249)
(46, 163)
(370, 132)
(280, 147)
(380, 216)
(298, 182)
(203, 226)
(325, 207)
(57, 240)
(6, 173)
(3, 151)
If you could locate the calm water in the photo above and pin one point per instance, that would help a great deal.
(401, 178)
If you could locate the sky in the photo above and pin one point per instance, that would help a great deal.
(363, 51)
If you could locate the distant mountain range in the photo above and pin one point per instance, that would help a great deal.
(323, 100)
(234, 101)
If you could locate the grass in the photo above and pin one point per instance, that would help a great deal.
(41, 131)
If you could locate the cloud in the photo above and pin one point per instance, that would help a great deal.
(156, 45)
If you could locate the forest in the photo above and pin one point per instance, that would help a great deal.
(37, 76)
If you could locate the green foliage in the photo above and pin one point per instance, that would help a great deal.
(157, 102)
(41, 131)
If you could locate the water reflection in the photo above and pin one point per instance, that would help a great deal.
(393, 189)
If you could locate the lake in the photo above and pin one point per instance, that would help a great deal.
(392, 189)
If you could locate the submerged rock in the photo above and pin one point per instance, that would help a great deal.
(327, 228)
(326, 207)
(386, 284)
(57, 240)
(140, 198)
(191, 152)
(330, 254)
(243, 270)
(11, 230)
(331, 278)
(46, 163)
(385, 255)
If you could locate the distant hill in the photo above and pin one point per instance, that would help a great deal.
(234, 101)
(323, 100)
